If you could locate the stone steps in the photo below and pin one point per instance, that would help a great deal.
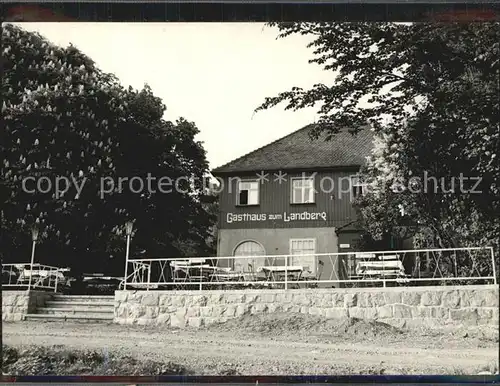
(85, 308)
(69, 304)
(84, 298)
(79, 318)
(74, 311)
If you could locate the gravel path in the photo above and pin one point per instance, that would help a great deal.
(210, 352)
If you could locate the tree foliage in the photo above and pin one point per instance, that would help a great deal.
(430, 92)
(63, 117)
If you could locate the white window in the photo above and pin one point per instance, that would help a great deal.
(356, 186)
(303, 254)
(302, 190)
(248, 193)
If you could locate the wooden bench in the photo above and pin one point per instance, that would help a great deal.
(386, 267)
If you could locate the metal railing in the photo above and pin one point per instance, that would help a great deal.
(140, 271)
(32, 276)
(378, 268)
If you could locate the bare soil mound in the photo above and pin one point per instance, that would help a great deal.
(296, 323)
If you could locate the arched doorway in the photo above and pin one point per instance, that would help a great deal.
(248, 248)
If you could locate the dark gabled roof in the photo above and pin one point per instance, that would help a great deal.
(298, 151)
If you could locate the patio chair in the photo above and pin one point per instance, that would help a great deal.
(179, 273)
(250, 275)
(317, 276)
(192, 271)
(258, 280)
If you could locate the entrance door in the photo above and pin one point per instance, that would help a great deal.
(249, 248)
(348, 242)
(303, 253)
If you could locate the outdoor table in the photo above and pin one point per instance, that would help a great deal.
(276, 272)
(193, 268)
(101, 278)
(143, 286)
(196, 260)
(227, 276)
(365, 256)
(41, 273)
(379, 267)
(195, 271)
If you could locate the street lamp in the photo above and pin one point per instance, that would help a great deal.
(128, 230)
(34, 238)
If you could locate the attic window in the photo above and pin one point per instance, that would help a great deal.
(356, 186)
(303, 190)
(248, 193)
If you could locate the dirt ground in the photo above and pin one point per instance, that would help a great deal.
(275, 345)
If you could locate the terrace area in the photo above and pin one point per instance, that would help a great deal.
(424, 267)
(454, 266)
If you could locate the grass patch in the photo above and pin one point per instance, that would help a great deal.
(57, 361)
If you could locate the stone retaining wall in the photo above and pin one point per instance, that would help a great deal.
(400, 306)
(16, 304)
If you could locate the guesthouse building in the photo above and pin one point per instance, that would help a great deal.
(293, 197)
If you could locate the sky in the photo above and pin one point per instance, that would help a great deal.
(213, 74)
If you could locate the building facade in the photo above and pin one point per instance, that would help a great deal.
(292, 197)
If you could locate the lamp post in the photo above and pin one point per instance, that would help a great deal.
(34, 238)
(128, 230)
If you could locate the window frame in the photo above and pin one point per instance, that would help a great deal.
(313, 190)
(291, 255)
(359, 185)
(238, 192)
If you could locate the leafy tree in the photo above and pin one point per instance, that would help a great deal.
(430, 93)
(63, 117)
(170, 208)
(211, 204)
(55, 127)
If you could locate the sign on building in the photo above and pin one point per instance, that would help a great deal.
(284, 217)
